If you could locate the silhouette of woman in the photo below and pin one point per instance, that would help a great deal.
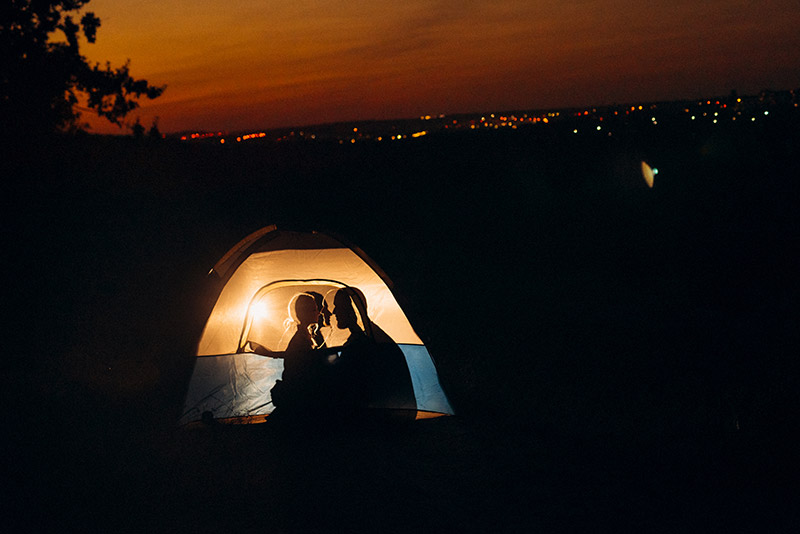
(298, 390)
(304, 310)
(324, 320)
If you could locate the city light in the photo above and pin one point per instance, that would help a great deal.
(615, 117)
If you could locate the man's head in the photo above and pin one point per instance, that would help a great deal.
(344, 308)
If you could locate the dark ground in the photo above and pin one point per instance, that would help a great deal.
(620, 358)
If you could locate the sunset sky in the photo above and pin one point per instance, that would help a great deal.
(257, 64)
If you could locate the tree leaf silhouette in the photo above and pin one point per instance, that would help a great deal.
(43, 75)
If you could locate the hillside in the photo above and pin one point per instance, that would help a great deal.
(619, 356)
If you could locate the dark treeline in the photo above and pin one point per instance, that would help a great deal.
(615, 353)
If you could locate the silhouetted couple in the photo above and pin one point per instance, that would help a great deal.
(319, 384)
(310, 313)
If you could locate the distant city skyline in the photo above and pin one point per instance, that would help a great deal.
(716, 112)
(240, 66)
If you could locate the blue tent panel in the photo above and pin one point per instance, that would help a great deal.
(231, 385)
(427, 390)
(238, 385)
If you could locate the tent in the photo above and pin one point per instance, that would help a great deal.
(242, 352)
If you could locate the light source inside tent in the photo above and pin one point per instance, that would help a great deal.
(261, 310)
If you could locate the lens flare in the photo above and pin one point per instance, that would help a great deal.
(649, 174)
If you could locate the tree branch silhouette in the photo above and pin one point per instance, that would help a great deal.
(43, 75)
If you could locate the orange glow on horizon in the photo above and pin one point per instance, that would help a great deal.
(242, 67)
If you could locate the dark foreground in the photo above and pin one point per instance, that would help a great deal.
(621, 358)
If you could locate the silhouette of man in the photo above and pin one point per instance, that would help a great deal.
(345, 313)
(348, 369)
(374, 368)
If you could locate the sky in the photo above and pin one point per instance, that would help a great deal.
(252, 65)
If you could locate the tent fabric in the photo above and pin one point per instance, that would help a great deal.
(222, 331)
(427, 390)
(229, 383)
(239, 385)
(236, 385)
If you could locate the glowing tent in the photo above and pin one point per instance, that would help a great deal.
(243, 347)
